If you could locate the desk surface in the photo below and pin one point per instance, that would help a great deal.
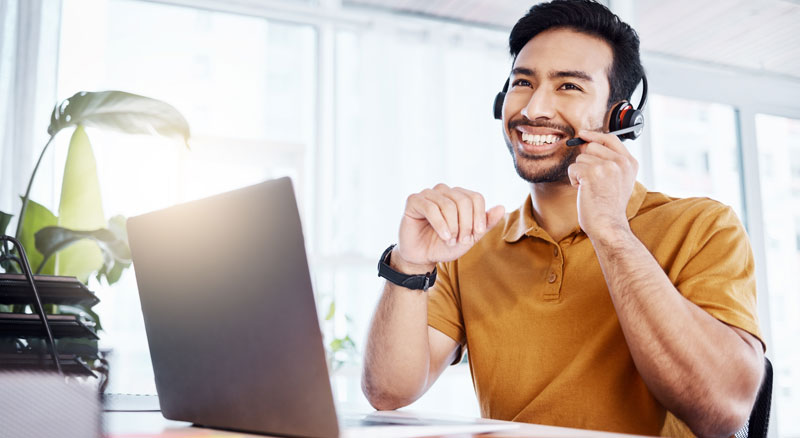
(153, 425)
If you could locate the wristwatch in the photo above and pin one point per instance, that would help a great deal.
(416, 282)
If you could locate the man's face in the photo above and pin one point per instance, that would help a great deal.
(558, 86)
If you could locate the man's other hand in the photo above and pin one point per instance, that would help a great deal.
(604, 173)
(440, 225)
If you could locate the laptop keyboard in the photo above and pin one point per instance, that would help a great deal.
(131, 403)
(386, 420)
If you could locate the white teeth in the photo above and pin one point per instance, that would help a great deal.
(538, 140)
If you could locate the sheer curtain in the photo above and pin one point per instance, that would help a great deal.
(28, 58)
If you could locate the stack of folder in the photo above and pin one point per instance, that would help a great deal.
(22, 335)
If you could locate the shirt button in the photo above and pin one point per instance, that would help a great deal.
(555, 252)
(552, 277)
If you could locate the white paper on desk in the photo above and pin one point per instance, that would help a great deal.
(413, 425)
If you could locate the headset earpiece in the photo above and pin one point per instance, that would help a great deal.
(623, 115)
(498, 102)
(498, 105)
(616, 115)
(631, 118)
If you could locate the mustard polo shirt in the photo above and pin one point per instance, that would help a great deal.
(545, 345)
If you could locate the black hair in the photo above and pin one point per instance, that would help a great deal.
(591, 18)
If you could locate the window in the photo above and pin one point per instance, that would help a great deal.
(695, 150)
(404, 119)
(779, 160)
(411, 110)
(246, 86)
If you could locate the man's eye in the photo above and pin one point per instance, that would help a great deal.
(521, 82)
(570, 86)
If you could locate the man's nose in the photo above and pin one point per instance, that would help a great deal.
(539, 105)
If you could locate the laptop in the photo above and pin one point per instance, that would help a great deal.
(232, 325)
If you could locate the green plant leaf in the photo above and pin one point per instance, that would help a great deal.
(80, 209)
(85, 313)
(113, 271)
(120, 111)
(117, 226)
(113, 274)
(5, 219)
(331, 311)
(37, 217)
(112, 241)
(342, 344)
(50, 240)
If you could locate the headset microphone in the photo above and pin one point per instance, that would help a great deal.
(631, 129)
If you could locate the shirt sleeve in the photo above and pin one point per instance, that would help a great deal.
(444, 306)
(719, 273)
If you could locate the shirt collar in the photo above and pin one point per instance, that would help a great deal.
(521, 222)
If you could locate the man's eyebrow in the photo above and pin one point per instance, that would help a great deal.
(522, 71)
(577, 74)
(570, 74)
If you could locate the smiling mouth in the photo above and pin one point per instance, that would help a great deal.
(540, 140)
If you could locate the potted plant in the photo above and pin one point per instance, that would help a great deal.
(79, 241)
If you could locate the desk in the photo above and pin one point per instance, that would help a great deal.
(154, 425)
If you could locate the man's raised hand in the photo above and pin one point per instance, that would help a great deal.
(440, 225)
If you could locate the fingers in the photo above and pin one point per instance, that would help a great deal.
(605, 160)
(609, 147)
(594, 160)
(624, 160)
(419, 207)
(610, 141)
(593, 167)
(576, 171)
(602, 156)
(493, 216)
(600, 151)
(449, 212)
(465, 207)
(478, 210)
(457, 215)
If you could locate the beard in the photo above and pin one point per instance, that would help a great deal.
(531, 167)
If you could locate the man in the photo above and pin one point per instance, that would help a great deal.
(597, 304)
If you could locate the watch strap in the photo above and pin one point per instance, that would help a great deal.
(415, 282)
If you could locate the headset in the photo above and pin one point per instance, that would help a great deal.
(624, 121)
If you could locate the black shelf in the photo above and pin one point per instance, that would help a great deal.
(70, 363)
(26, 325)
(15, 289)
(38, 340)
